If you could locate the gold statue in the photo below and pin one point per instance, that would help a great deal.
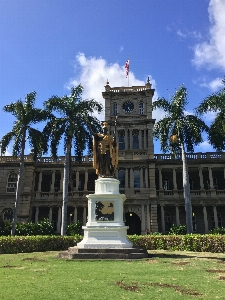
(105, 153)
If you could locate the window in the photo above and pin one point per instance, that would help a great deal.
(121, 178)
(219, 220)
(115, 109)
(136, 179)
(8, 215)
(121, 140)
(12, 182)
(135, 140)
(141, 108)
(167, 218)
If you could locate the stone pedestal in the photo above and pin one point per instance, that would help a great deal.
(105, 227)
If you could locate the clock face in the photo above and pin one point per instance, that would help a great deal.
(128, 106)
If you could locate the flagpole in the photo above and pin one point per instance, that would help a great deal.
(129, 69)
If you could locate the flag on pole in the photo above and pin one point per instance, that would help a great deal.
(127, 66)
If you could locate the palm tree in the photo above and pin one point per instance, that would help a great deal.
(215, 103)
(26, 115)
(74, 123)
(178, 132)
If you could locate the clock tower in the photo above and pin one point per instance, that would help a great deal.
(128, 112)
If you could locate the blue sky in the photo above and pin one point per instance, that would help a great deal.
(47, 46)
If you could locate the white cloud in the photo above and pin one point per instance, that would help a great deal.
(191, 34)
(121, 48)
(93, 74)
(211, 53)
(214, 85)
(204, 147)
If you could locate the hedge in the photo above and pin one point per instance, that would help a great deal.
(188, 242)
(25, 244)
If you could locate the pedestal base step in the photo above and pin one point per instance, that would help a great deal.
(109, 253)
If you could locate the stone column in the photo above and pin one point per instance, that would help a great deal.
(174, 179)
(162, 218)
(177, 216)
(53, 181)
(160, 179)
(131, 139)
(126, 178)
(145, 139)
(140, 139)
(205, 219)
(215, 216)
(50, 214)
(36, 214)
(77, 179)
(141, 178)
(86, 181)
(126, 139)
(210, 178)
(131, 178)
(148, 218)
(201, 178)
(61, 181)
(142, 218)
(146, 177)
(39, 181)
(59, 219)
(154, 220)
(75, 215)
(84, 215)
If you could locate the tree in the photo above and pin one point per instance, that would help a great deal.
(74, 124)
(178, 132)
(215, 103)
(26, 115)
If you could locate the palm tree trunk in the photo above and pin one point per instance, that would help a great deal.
(19, 185)
(65, 188)
(187, 195)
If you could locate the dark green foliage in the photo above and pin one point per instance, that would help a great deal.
(74, 229)
(188, 128)
(43, 227)
(188, 242)
(26, 244)
(215, 103)
(26, 115)
(178, 230)
(218, 230)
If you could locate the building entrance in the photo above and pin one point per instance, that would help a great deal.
(134, 223)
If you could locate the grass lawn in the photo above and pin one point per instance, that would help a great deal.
(165, 275)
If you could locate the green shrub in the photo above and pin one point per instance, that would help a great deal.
(26, 244)
(74, 228)
(218, 230)
(43, 227)
(188, 242)
(178, 230)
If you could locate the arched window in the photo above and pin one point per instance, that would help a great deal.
(137, 179)
(115, 109)
(168, 223)
(135, 139)
(8, 215)
(219, 220)
(12, 182)
(141, 108)
(121, 140)
(121, 178)
(194, 222)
